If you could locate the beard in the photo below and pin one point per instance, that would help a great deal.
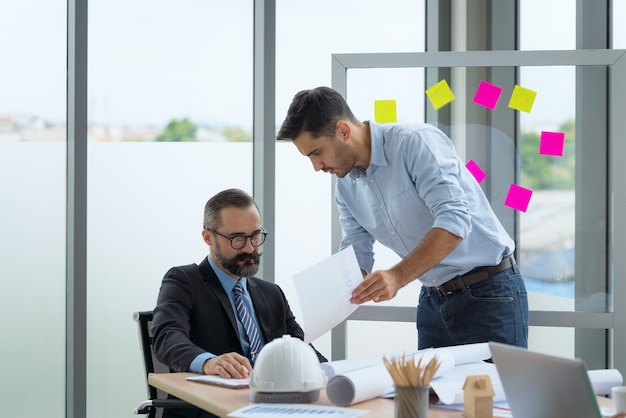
(249, 267)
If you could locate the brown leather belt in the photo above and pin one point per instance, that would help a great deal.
(472, 277)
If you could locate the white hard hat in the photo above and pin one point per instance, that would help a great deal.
(286, 370)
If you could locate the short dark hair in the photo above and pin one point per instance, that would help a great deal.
(229, 197)
(316, 111)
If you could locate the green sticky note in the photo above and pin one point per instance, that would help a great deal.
(440, 94)
(385, 111)
(522, 99)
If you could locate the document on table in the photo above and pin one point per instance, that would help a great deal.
(324, 291)
(269, 410)
(220, 381)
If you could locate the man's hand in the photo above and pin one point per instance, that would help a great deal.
(378, 286)
(383, 285)
(229, 365)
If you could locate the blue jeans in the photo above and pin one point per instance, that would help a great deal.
(495, 309)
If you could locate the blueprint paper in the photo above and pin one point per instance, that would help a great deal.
(268, 410)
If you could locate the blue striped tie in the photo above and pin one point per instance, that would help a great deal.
(249, 325)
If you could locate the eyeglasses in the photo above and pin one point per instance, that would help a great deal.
(239, 241)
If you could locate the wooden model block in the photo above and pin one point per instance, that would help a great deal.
(478, 397)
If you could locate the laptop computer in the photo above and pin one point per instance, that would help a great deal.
(543, 386)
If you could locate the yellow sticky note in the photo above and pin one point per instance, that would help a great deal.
(440, 94)
(385, 111)
(522, 99)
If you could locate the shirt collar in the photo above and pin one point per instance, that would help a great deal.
(228, 283)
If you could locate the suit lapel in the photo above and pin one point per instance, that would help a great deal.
(261, 307)
(215, 286)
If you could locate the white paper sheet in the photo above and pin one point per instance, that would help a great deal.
(220, 381)
(324, 291)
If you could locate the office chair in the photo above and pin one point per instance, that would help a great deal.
(157, 399)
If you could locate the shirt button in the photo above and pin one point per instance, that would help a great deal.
(393, 232)
(381, 206)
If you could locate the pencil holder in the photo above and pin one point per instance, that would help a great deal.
(411, 401)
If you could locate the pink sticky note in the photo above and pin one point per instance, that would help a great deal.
(552, 143)
(476, 171)
(518, 197)
(487, 95)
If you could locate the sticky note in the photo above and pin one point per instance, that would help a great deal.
(522, 99)
(551, 143)
(487, 95)
(518, 197)
(476, 171)
(385, 111)
(440, 94)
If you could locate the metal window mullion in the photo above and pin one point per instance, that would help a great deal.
(617, 222)
(591, 183)
(76, 250)
(264, 102)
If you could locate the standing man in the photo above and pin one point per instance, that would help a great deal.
(214, 317)
(405, 186)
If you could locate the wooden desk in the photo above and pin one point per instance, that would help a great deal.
(221, 401)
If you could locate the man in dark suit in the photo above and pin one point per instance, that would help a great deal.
(196, 321)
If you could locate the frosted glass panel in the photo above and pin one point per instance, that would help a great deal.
(32, 207)
(32, 259)
(146, 205)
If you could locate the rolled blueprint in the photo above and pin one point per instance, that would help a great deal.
(354, 381)
(603, 380)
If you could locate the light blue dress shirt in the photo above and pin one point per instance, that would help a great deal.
(416, 182)
(228, 283)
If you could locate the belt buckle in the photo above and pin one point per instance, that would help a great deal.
(453, 287)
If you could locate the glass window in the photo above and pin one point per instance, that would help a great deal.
(619, 30)
(366, 338)
(547, 228)
(170, 117)
(557, 341)
(33, 209)
(547, 25)
(303, 60)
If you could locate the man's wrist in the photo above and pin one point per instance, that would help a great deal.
(197, 365)
(206, 366)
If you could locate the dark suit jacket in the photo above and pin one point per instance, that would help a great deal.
(194, 315)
